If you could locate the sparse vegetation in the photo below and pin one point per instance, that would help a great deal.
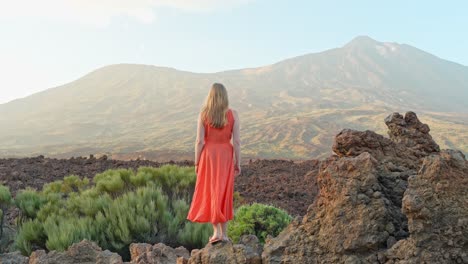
(258, 219)
(117, 208)
(121, 206)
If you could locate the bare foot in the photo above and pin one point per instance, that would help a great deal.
(213, 239)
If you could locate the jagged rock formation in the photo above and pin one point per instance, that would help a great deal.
(436, 204)
(410, 132)
(358, 215)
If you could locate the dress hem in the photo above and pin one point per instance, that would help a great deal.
(203, 221)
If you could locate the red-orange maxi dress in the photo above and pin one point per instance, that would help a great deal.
(213, 197)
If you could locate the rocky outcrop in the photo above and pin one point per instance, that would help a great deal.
(142, 253)
(411, 133)
(351, 219)
(382, 201)
(247, 251)
(85, 252)
(409, 141)
(436, 204)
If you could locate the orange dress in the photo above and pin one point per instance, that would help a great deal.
(213, 197)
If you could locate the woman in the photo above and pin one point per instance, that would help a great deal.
(217, 161)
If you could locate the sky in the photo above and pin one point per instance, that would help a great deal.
(48, 43)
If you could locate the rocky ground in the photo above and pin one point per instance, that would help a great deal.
(395, 200)
(19, 173)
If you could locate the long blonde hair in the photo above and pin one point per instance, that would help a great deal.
(216, 106)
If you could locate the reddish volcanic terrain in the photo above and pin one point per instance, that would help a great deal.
(286, 184)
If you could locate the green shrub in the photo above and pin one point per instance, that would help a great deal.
(112, 182)
(5, 195)
(62, 232)
(30, 233)
(258, 219)
(117, 208)
(73, 183)
(29, 202)
(177, 182)
(52, 203)
(52, 187)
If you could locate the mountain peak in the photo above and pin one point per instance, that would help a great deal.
(362, 40)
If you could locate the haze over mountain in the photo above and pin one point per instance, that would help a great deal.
(291, 109)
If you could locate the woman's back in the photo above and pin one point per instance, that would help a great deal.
(220, 135)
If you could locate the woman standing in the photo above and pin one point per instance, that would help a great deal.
(217, 161)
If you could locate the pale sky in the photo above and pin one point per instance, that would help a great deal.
(52, 42)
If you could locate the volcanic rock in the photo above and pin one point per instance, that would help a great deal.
(247, 251)
(366, 213)
(436, 204)
(142, 253)
(411, 133)
(85, 252)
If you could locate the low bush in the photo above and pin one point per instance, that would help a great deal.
(117, 208)
(29, 201)
(258, 219)
(30, 235)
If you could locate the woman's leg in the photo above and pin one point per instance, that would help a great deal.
(220, 230)
(224, 230)
(217, 233)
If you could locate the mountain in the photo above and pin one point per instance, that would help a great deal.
(291, 109)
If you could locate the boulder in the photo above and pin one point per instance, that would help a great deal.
(248, 251)
(142, 253)
(85, 252)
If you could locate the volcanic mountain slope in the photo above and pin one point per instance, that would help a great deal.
(290, 109)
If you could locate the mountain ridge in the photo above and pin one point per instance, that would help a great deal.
(124, 108)
(358, 40)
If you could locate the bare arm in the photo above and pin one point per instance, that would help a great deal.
(200, 141)
(236, 140)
